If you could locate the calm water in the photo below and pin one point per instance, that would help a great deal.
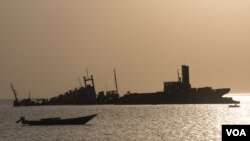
(133, 122)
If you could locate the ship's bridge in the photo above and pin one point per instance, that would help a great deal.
(175, 87)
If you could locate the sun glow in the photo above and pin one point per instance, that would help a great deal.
(242, 97)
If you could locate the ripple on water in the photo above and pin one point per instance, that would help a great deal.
(124, 122)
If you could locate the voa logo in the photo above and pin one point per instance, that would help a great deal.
(236, 132)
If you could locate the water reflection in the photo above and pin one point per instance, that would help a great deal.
(125, 122)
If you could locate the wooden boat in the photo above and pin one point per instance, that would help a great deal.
(57, 121)
(235, 105)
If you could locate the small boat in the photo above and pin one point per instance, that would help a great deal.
(57, 121)
(235, 105)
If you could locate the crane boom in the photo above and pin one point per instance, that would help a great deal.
(14, 91)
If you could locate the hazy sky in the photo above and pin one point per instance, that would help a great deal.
(45, 45)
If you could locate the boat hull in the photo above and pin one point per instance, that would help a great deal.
(58, 121)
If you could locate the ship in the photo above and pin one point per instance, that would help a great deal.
(174, 92)
(180, 92)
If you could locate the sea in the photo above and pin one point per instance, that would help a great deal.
(188, 122)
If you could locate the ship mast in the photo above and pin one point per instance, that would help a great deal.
(29, 94)
(116, 85)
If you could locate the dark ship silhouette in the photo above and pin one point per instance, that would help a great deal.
(178, 92)
(85, 95)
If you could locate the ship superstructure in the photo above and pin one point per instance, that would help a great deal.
(180, 92)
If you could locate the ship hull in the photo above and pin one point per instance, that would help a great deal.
(212, 97)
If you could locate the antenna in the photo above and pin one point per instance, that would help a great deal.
(179, 78)
(79, 81)
(106, 87)
(87, 73)
(29, 94)
(116, 86)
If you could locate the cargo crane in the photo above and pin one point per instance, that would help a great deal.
(15, 102)
(87, 79)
